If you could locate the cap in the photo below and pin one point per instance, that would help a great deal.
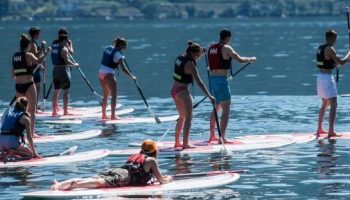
(149, 146)
(62, 31)
(34, 30)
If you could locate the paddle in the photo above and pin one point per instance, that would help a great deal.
(214, 107)
(44, 87)
(68, 151)
(229, 78)
(143, 97)
(179, 176)
(99, 97)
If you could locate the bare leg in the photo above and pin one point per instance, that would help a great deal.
(55, 96)
(180, 122)
(213, 124)
(31, 109)
(225, 105)
(112, 86)
(187, 110)
(65, 102)
(23, 151)
(321, 116)
(332, 115)
(90, 183)
(105, 90)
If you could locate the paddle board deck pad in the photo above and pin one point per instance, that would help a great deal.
(156, 189)
(58, 160)
(68, 121)
(75, 136)
(80, 114)
(142, 120)
(342, 136)
(203, 147)
(297, 137)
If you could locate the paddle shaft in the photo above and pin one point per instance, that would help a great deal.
(214, 106)
(44, 86)
(208, 173)
(141, 94)
(232, 75)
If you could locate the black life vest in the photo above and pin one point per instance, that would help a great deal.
(134, 165)
(19, 64)
(108, 55)
(215, 58)
(321, 61)
(12, 126)
(56, 57)
(179, 70)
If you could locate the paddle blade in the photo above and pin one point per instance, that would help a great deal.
(69, 151)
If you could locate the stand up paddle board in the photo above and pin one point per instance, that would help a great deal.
(80, 115)
(76, 136)
(342, 136)
(202, 147)
(156, 189)
(58, 160)
(142, 120)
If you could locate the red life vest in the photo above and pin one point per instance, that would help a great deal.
(134, 165)
(215, 58)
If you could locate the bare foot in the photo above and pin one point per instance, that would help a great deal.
(36, 135)
(226, 141)
(55, 186)
(69, 186)
(334, 134)
(187, 146)
(321, 131)
(105, 117)
(67, 113)
(178, 145)
(54, 114)
(213, 139)
(115, 118)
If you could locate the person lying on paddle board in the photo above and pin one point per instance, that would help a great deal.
(327, 60)
(185, 70)
(61, 49)
(112, 59)
(12, 132)
(220, 56)
(24, 64)
(139, 169)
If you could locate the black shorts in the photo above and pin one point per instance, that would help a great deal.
(23, 87)
(61, 78)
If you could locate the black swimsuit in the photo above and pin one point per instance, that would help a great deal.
(23, 87)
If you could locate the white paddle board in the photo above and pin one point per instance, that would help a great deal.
(156, 189)
(202, 147)
(58, 160)
(75, 136)
(142, 120)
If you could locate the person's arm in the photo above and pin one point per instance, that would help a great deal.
(125, 69)
(31, 58)
(26, 122)
(229, 52)
(70, 47)
(34, 50)
(153, 165)
(190, 68)
(331, 53)
(65, 57)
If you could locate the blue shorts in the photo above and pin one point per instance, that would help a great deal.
(9, 142)
(220, 88)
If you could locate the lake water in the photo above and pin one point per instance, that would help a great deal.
(274, 95)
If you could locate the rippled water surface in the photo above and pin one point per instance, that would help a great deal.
(274, 95)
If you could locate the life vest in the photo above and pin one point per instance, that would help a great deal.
(19, 64)
(108, 55)
(215, 58)
(179, 70)
(12, 126)
(56, 57)
(321, 61)
(134, 165)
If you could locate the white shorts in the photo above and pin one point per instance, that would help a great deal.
(106, 70)
(326, 87)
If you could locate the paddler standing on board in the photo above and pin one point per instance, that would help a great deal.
(112, 59)
(185, 70)
(220, 56)
(139, 169)
(60, 55)
(327, 60)
(12, 136)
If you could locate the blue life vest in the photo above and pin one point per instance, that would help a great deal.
(56, 53)
(11, 125)
(134, 165)
(108, 55)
